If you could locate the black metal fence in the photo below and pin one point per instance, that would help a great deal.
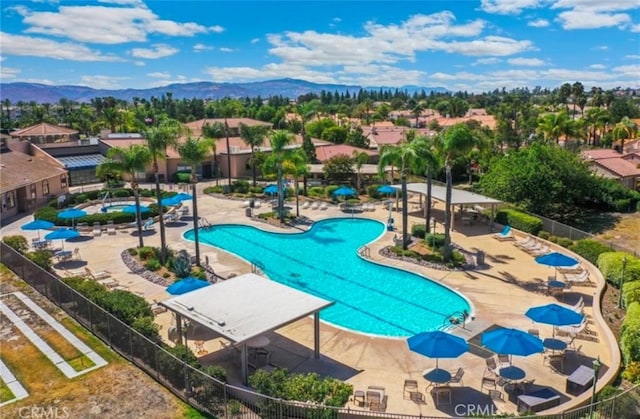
(204, 392)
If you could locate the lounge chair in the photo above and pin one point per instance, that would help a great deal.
(543, 249)
(97, 229)
(577, 278)
(575, 269)
(576, 329)
(324, 206)
(505, 234)
(148, 225)
(111, 228)
(305, 205)
(97, 275)
(315, 205)
(184, 211)
(527, 241)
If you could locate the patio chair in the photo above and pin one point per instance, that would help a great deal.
(488, 382)
(410, 386)
(505, 234)
(441, 391)
(534, 332)
(457, 378)
(148, 225)
(97, 229)
(503, 361)
(492, 367)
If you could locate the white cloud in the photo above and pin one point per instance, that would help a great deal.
(337, 19)
(201, 47)
(158, 51)
(255, 40)
(9, 72)
(139, 63)
(216, 29)
(596, 5)
(633, 56)
(601, 48)
(102, 82)
(486, 61)
(528, 62)
(46, 48)
(224, 49)
(507, 7)
(104, 24)
(159, 75)
(538, 23)
(635, 27)
(589, 19)
(598, 66)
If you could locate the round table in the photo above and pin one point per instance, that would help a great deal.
(512, 373)
(554, 344)
(556, 284)
(258, 342)
(437, 376)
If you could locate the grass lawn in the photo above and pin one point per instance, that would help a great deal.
(5, 392)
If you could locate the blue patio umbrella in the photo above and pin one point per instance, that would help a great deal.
(556, 260)
(170, 202)
(511, 342)
(344, 191)
(132, 209)
(186, 285)
(71, 213)
(37, 225)
(183, 196)
(271, 189)
(386, 189)
(554, 314)
(62, 234)
(437, 344)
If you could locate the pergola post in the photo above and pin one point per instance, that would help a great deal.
(493, 216)
(179, 328)
(316, 335)
(244, 368)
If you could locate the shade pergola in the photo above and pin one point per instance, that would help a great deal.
(246, 307)
(458, 196)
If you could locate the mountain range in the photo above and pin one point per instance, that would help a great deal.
(289, 88)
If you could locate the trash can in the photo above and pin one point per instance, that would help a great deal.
(479, 258)
(247, 212)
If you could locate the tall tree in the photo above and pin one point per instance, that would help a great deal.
(625, 129)
(253, 136)
(278, 141)
(159, 138)
(128, 161)
(193, 152)
(457, 140)
(214, 132)
(296, 165)
(360, 158)
(426, 162)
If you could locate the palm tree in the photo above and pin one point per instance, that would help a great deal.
(128, 161)
(296, 164)
(193, 152)
(228, 108)
(403, 155)
(213, 132)
(278, 140)
(360, 158)
(253, 136)
(427, 162)
(456, 141)
(625, 129)
(159, 138)
(553, 125)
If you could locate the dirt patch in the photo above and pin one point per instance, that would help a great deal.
(624, 234)
(117, 390)
(610, 311)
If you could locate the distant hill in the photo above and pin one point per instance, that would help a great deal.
(290, 88)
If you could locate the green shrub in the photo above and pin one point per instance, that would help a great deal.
(329, 190)
(610, 264)
(434, 241)
(256, 189)
(315, 192)
(182, 177)
(631, 293)
(544, 235)
(589, 249)
(624, 407)
(519, 220)
(46, 213)
(419, 230)
(42, 258)
(153, 264)
(17, 242)
(630, 334)
(146, 252)
(216, 371)
(564, 242)
(372, 191)
(632, 372)
(81, 198)
(213, 189)
(240, 186)
(622, 205)
(121, 193)
(181, 267)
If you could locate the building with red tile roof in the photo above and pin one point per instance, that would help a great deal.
(324, 153)
(613, 165)
(46, 133)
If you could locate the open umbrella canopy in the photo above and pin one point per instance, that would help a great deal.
(170, 202)
(62, 233)
(386, 189)
(182, 196)
(554, 314)
(71, 213)
(271, 189)
(186, 285)
(437, 344)
(511, 342)
(344, 191)
(556, 259)
(37, 225)
(133, 209)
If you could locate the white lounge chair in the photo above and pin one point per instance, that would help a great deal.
(97, 229)
(315, 205)
(527, 241)
(580, 278)
(111, 228)
(305, 205)
(505, 234)
(324, 206)
(97, 275)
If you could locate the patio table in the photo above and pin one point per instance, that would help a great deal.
(437, 376)
(554, 344)
(512, 373)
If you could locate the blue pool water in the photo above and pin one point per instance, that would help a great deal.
(323, 261)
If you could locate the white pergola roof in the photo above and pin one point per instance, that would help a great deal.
(458, 196)
(245, 307)
(366, 169)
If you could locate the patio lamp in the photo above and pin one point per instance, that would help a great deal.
(624, 265)
(596, 369)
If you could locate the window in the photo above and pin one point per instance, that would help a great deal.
(9, 200)
(32, 191)
(63, 181)
(45, 187)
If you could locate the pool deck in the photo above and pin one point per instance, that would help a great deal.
(499, 294)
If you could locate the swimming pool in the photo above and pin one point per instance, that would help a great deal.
(369, 298)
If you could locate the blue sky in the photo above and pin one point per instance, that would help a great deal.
(460, 45)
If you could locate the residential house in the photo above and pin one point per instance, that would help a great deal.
(45, 133)
(613, 165)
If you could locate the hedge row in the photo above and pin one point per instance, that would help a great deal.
(631, 293)
(589, 249)
(519, 220)
(610, 264)
(630, 334)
